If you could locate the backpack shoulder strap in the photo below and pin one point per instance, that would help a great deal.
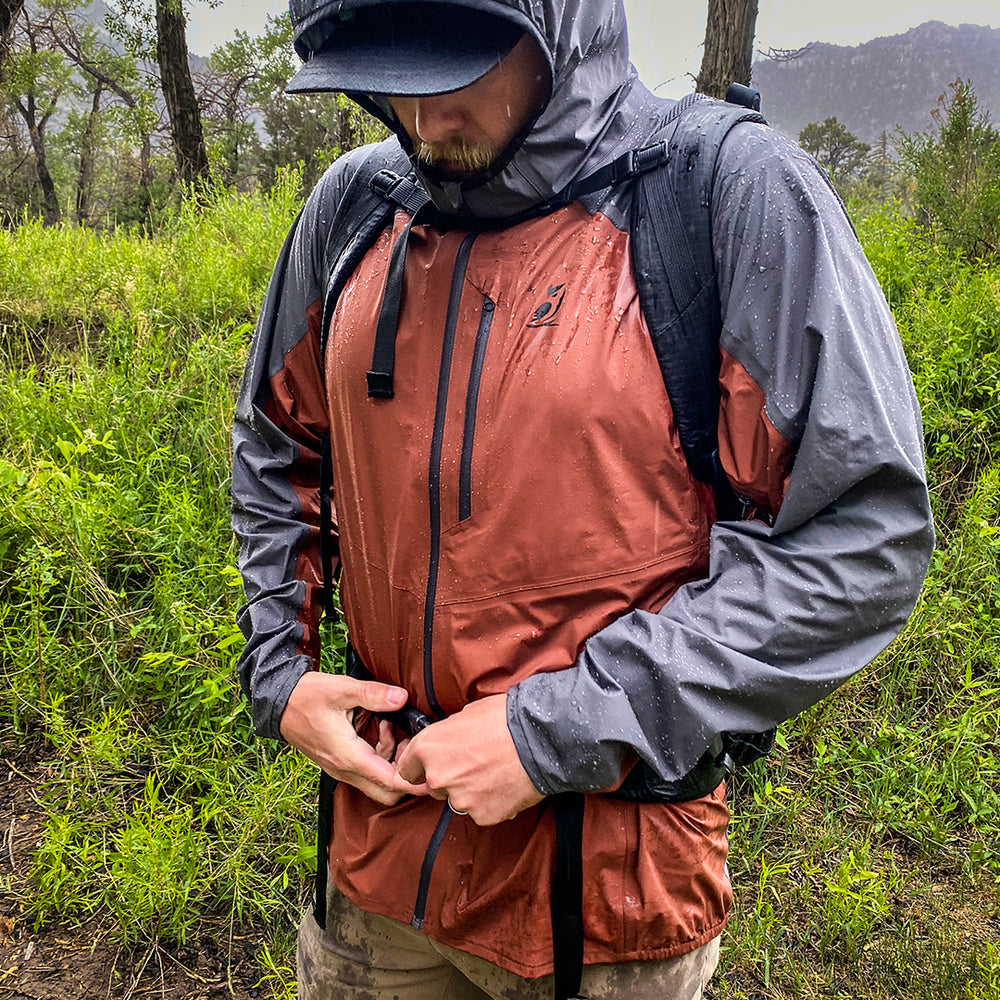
(377, 188)
(671, 235)
(365, 208)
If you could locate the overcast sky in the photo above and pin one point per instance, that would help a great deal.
(666, 36)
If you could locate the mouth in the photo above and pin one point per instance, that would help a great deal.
(453, 169)
(456, 160)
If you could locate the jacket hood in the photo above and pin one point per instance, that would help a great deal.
(586, 46)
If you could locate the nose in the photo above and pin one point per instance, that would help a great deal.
(438, 118)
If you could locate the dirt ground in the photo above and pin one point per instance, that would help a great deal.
(62, 961)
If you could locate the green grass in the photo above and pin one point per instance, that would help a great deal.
(120, 360)
(865, 851)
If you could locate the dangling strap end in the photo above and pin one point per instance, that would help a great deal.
(324, 827)
(380, 385)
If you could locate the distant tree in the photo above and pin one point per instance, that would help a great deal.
(880, 171)
(9, 12)
(119, 74)
(308, 130)
(244, 73)
(834, 147)
(85, 130)
(35, 80)
(160, 31)
(728, 54)
(956, 174)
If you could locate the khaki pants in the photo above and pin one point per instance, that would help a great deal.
(362, 956)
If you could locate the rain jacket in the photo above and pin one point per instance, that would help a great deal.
(520, 518)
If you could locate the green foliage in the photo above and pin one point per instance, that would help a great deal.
(117, 587)
(956, 173)
(205, 268)
(947, 310)
(834, 148)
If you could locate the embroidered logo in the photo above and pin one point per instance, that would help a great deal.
(545, 314)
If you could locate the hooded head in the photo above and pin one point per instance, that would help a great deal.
(568, 60)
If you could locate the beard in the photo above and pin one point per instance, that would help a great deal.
(457, 158)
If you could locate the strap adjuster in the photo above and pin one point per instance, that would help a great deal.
(649, 157)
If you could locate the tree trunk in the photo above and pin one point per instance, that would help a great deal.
(36, 136)
(50, 200)
(178, 92)
(145, 164)
(88, 154)
(728, 46)
(9, 12)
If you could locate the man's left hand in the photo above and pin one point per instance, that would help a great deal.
(470, 759)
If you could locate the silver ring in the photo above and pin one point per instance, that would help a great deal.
(457, 812)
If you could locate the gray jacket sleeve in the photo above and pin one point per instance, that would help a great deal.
(278, 432)
(789, 612)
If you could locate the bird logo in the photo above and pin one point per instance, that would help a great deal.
(545, 314)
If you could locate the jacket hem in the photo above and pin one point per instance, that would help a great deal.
(593, 953)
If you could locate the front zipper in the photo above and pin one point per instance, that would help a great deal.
(433, 563)
(471, 404)
(434, 465)
(427, 867)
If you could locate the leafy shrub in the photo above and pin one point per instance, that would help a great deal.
(956, 172)
(947, 309)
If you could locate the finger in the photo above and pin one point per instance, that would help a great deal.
(373, 695)
(409, 764)
(379, 794)
(375, 776)
(401, 749)
(386, 745)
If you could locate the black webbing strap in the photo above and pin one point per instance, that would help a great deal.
(624, 168)
(384, 353)
(326, 525)
(400, 190)
(629, 165)
(324, 827)
(567, 895)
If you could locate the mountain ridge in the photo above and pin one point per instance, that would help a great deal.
(889, 82)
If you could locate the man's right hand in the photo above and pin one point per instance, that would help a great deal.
(319, 721)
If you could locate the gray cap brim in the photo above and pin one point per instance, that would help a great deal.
(398, 50)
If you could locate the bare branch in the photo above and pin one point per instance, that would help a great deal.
(785, 55)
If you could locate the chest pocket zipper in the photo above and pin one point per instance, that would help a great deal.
(471, 407)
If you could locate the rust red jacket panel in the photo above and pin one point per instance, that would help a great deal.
(523, 488)
(553, 502)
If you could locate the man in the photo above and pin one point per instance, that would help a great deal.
(526, 556)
